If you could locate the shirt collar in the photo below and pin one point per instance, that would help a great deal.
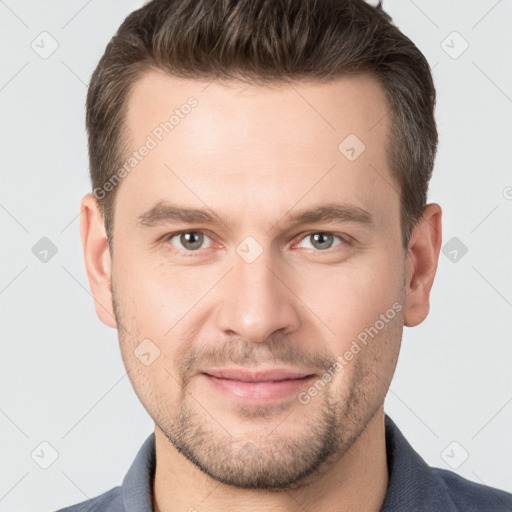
(137, 487)
(412, 485)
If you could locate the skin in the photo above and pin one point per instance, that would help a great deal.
(254, 154)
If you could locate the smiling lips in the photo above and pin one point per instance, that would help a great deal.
(267, 385)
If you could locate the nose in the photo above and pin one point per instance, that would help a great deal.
(257, 299)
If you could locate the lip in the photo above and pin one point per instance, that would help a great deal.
(258, 386)
(272, 375)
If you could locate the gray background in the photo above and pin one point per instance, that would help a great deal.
(62, 378)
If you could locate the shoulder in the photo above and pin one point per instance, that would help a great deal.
(110, 501)
(470, 496)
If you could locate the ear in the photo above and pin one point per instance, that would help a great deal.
(97, 258)
(422, 259)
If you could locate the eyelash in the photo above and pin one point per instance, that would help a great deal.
(186, 253)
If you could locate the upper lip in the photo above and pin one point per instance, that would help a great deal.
(258, 375)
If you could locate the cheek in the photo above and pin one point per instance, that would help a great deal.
(160, 303)
(155, 295)
(353, 297)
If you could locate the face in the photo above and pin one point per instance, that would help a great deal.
(296, 262)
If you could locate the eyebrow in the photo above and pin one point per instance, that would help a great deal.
(164, 212)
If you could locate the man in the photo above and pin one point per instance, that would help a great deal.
(258, 234)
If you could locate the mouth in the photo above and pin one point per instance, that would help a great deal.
(261, 386)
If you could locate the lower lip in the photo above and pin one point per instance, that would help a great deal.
(260, 391)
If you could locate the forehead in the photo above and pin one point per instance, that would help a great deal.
(274, 112)
(258, 144)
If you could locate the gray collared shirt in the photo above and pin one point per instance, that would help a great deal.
(413, 485)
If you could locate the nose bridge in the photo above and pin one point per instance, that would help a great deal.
(254, 300)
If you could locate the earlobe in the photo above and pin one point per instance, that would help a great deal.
(422, 260)
(97, 258)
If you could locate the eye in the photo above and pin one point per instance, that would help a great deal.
(191, 241)
(322, 240)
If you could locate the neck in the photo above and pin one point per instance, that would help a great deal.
(356, 481)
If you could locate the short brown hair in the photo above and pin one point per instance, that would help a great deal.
(264, 41)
